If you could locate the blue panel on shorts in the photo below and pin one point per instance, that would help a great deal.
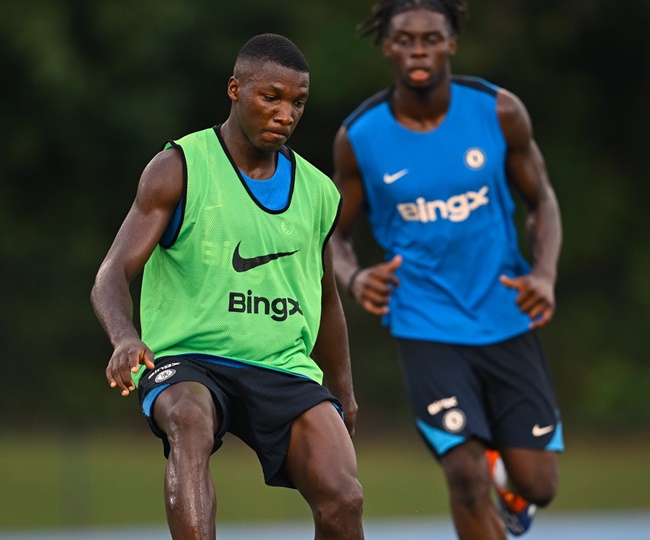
(151, 397)
(440, 440)
(339, 409)
(557, 442)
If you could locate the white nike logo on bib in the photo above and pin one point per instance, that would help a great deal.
(390, 178)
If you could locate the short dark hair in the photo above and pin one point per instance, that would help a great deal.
(383, 11)
(273, 48)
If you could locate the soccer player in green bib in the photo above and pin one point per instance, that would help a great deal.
(242, 329)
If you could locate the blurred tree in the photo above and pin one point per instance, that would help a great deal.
(92, 89)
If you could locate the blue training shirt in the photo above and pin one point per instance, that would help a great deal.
(441, 200)
(274, 192)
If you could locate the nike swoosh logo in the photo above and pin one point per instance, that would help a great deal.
(242, 264)
(390, 178)
(539, 431)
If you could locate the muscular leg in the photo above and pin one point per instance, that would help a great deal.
(186, 413)
(533, 473)
(322, 464)
(472, 507)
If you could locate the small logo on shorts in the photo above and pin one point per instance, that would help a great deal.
(442, 404)
(164, 375)
(454, 420)
(541, 431)
(158, 371)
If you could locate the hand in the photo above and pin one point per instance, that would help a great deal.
(536, 297)
(373, 286)
(125, 361)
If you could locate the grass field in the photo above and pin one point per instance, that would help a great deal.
(54, 481)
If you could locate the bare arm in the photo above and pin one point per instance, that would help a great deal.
(527, 173)
(159, 192)
(331, 350)
(371, 286)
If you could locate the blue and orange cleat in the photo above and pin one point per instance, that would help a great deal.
(517, 513)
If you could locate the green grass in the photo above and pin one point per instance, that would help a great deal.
(54, 481)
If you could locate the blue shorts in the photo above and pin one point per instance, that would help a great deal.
(499, 393)
(256, 404)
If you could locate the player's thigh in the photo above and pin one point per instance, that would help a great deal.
(186, 405)
(445, 393)
(321, 460)
(520, 397)
(533, 472)
(464, 466)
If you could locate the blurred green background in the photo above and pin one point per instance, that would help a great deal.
(92, 88)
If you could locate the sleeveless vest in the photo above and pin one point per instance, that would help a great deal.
(240, 281)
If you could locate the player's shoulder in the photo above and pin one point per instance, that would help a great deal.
(475, 84)
(163, 178)
(368, 105)
(321, 187)
(506, 98)
(196, 137)
(168, 161)
(483, 93)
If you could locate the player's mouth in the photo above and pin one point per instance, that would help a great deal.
(419, 74)
(277, 135)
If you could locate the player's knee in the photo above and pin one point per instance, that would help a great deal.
(341, 513)
(536, 481)
(190, 422)
(349, 501)
(539, 490)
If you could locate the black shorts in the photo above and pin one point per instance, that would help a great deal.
(500, 393)
(257, 405)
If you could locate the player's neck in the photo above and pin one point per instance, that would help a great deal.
(253, 162)
(421, 110)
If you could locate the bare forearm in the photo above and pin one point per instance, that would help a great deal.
(333, 356)
(332, 353)
(113, 305)
(345, 258)
(544, 230)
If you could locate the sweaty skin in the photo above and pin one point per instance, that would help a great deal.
(267, 102)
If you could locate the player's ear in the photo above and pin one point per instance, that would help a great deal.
(385, 47)
(453, 45)
(233, 88)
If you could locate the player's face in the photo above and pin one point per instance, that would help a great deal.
(419, 44)
(270, 101)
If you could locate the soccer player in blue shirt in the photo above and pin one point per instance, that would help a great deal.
(433, 160)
